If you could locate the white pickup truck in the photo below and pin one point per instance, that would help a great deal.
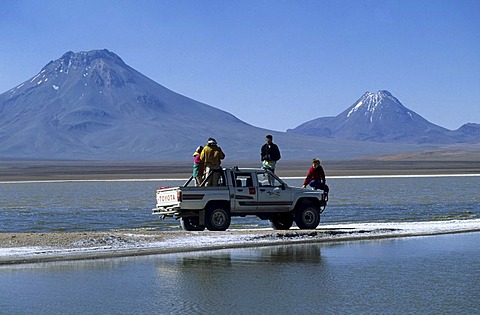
(241, 192)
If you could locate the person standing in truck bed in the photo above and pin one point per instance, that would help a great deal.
(270, 154)
(197, 166)
(211, 157)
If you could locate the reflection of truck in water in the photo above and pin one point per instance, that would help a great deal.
(241, 192)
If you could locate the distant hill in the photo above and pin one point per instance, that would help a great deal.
(92, 106)
(472, 155)
(380, 117)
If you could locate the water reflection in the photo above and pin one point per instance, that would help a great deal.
(271, 254)
(240, 281)
(437, 274)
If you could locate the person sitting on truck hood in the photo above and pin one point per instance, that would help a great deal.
(316, 176)
(211, 157)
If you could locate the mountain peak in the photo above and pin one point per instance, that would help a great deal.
(379, 94)
(370, 103)
(71, 60)
(89, 56)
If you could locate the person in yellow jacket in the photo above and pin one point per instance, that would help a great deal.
(211, 157)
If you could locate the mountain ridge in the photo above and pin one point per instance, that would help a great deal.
(92, 106)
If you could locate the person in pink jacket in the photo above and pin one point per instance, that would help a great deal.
(197, 166)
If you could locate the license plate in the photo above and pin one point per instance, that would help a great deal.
(167, 197)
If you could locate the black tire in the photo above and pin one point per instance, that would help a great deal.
(217, 218)
(282, 221)
(307, 217)
(191, 224)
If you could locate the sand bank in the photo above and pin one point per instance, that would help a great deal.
(42, 247)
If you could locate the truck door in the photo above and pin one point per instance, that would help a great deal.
(244, 192)
(273, 195)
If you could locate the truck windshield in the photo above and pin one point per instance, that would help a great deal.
(267, 179)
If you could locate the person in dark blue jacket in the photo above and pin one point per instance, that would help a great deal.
(270, 154)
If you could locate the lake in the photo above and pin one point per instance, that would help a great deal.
(428, 275)
(105, 205)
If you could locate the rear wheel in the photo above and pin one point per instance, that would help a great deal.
(217, 218)
(282, 221)
(307, 217)
(191, 224)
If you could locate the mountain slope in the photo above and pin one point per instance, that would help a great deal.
(378, 117)
(92, 103)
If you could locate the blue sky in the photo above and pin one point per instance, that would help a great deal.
(273, 64)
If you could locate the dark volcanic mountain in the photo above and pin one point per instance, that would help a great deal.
(92, 105)
(381, 117)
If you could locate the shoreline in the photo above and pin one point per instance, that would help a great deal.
(24, 248)
(23, 171)
(180, 179)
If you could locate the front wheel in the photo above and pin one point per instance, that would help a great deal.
(307, 217)
(282, 221)
(217, 219)
(191, 224)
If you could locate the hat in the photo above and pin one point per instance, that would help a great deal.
(212, 141)
(314, 160)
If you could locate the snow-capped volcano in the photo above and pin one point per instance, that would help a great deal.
(372, 106)
(377, 117)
